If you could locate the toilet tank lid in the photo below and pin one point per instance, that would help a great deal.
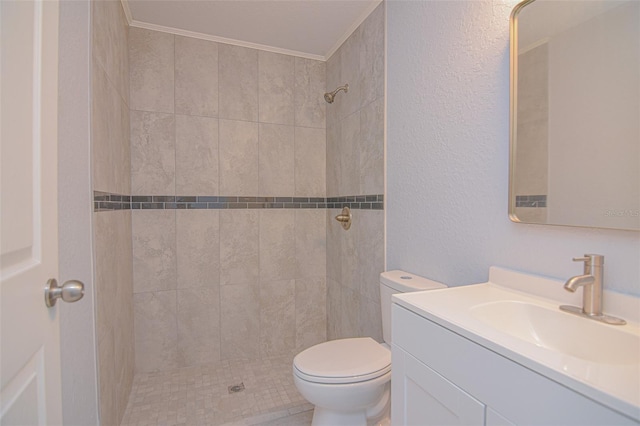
(405, 282)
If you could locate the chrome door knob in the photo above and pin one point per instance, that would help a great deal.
(71, 291)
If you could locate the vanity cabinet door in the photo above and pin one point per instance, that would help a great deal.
(426, 398)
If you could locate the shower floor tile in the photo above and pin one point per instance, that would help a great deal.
(200, 395)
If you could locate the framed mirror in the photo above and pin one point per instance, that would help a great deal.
(575, 113)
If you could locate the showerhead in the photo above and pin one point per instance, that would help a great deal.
(330, 96)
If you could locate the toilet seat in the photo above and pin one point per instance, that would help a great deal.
(343, 361)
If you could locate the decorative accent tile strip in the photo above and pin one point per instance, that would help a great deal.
(104, 201)
(531, 201)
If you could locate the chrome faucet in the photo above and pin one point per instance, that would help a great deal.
(591, 282)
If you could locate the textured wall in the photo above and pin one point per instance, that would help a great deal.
(112, 229)
(447, 156)
(212, 119)
(355, 166)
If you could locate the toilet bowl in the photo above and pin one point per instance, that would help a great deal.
(348, 380)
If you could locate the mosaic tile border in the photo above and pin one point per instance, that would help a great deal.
(531, 201)
(105, 201)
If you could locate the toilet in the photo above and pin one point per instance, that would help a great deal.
(348, 380)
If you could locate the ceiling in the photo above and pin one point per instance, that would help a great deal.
(308, 28)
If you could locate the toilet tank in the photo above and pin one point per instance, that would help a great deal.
(392, 282)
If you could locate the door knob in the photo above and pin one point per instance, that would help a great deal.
(71, 291)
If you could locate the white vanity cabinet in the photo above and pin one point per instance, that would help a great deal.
(442, 378)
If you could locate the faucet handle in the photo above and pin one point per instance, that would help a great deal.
(590, 259)
(582, 259)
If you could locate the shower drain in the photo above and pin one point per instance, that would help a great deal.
(236, 388)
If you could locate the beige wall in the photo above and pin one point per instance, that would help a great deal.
(211, 119)
(355, 166)
(112, 229)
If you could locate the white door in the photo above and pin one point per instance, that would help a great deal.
(29, 331)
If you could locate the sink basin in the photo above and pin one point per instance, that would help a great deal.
(560, 332)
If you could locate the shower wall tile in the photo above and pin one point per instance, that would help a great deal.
(152, 153)
(277, 317)
(110, 135)
(198, 319)
(124, 344)
(276, 160)
(310, 162)
(310, 311)
(196, 155)
(112, 234)
(351, 269)
(196, 73)
(310, 243)
(239, 158)
(355, 165)
(246, 123)
(122, 168)
(310, 85)
(156, 331)
(154, 250)
(105, 239)
(277, 245)
(348, 155)
(371, 252)
(350, 73)
(334, 111)
(372, 148)
(151, 64)
(104, 115)
(334, 309)
(332, 159)
(240, 325)
(334, 246)
(276, 83)
(350, 313)
(239, 247)
(238, 84)
(114, 309)
(371, 60)
(109, 41)
(121, 294)
(107, 382)
(198, 248)
(370, 319)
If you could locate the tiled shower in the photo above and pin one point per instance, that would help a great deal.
(217, 171)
